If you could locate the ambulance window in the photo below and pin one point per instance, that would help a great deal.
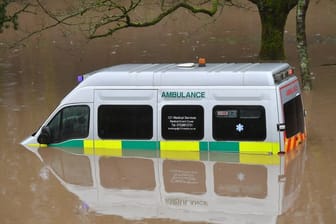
(294, 117)
(239, 123)
(70, 123)
(182, 122)
(125, 122)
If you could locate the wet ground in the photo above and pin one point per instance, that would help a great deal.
(47, 186)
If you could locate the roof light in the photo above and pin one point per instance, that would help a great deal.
(291, 71)
(80, 78)
(201, 62)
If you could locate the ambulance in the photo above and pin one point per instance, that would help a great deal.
(231, 107)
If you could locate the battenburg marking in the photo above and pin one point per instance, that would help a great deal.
(189, 94)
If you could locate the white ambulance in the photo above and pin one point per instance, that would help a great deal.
(243, 108)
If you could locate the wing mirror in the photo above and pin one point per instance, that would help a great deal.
(45, 136)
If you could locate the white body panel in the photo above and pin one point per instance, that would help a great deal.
(159, 85)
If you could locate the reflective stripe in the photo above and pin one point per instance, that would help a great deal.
(108, 144)
(69, 143)
(148, 145)
(37, 145)
(192, 146)
(224, 146)
(294, 141)
(88, 143)
(180, 145)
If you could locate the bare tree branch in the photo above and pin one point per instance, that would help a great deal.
(6, 19)
(105, 17)
(124, 20)
(57, 22)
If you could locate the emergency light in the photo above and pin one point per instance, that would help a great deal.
(80, 78)
(279, 77)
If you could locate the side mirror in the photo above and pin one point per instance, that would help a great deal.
(45, 136)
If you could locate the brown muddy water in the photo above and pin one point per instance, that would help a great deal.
(52, 186)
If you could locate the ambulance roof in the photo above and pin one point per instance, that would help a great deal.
(188, 74)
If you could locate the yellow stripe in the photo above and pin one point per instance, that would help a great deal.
(103, 147)
(180, 155)
(179, 146)
(108, 144)
(38, 145)
(259, 147)
(88, 144)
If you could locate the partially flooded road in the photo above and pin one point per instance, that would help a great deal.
(48, 185)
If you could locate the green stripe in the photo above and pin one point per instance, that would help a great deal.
(204, 146)
(70, 143)
(149, 145)
(224, 146)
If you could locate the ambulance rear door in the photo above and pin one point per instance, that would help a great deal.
(291, 124)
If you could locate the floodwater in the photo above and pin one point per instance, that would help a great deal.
(48, 185)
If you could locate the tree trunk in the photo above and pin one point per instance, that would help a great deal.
(273, 16)
(272, 35)
(302, 43)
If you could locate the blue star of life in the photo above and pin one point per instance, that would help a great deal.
(239, 127)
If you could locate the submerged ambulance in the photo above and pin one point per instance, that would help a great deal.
(244, 107)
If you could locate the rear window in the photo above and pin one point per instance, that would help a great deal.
(294, 118)
(239, 123)
(125, 122)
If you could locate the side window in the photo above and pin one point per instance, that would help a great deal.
(69, 123)
(182, 122)
(239, 123)
(125, 122)
(294, 117)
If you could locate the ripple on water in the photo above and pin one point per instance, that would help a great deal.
(5, 65)
(9, 84)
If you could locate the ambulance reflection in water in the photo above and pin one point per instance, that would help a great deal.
(211, 187)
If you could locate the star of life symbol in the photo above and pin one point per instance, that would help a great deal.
(239, 127)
